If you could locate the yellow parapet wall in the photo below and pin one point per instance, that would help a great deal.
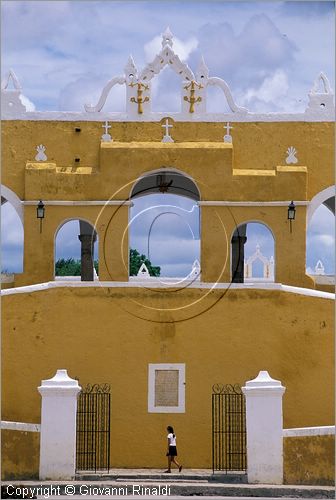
(309, 460)
(20, 454)
(109, 334)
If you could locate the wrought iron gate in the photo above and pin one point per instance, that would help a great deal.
(228, 428)
(93, 428)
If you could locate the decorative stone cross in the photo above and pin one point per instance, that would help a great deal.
(167, 137)
(227, 136)
(106, 137)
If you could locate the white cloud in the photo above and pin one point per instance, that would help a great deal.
(272, 89)
(182, 48)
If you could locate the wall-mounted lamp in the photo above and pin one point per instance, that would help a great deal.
(291, 214)
(40, 210)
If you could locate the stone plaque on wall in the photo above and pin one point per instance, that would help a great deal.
(166, 387)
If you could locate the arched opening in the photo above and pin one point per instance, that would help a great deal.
(320, 242)
(12, 235)
(12, 240)
(164, 228)
(252, 253)
(76, 251)
(320, 236)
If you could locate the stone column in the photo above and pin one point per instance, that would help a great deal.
(58, 427)
(87, 243)
(264, 429)
(238, 241)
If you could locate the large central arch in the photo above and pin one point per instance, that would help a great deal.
(166, 180)
(166, 192)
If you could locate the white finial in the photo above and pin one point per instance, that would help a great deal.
(41, 156)
(227, 137)
(130, 68)
(143, 271)
(202, 72)
(11, 77)
(167, 137)
(106, 137)
(291, 158)
(167, 38)
(319, 268)
(321, 78)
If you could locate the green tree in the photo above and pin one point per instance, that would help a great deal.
(135, 263)
(70, 267)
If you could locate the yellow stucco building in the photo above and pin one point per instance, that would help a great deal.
(217, 328)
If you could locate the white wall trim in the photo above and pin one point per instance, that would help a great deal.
(251, 203)
(317, 200)
(151, 388)
(14, 200)
(135, 284)
(317, 116)
(324, 430)
(20, 426)
(79, 203)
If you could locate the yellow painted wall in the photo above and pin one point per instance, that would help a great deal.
(309, 460)
(112, 334)
(248, 170)
(20, 452)
(256, 146)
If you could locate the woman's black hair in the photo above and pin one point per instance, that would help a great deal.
(170, 429)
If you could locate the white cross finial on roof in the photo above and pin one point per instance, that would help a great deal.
(227, 136)
(167, 137)
(167, 38)
(106, 137)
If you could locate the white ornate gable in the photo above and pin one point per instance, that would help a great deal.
(320, 99)
(138, 84)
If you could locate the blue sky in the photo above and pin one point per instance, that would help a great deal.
(64, 52)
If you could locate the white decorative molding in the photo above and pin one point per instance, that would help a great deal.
(219, 82)
(152, 369)
(279, 287)
(117, 80)
(221, 203)
(80, 203)
(291, 158)
(20, 426)
(324, 430)
(41, 156)
(264, 429)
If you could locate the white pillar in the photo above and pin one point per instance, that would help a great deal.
(264, 429)
(58, 426)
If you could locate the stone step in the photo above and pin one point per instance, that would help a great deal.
(173, 477)
(116, 489)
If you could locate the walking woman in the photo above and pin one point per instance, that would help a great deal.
(172, 451)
